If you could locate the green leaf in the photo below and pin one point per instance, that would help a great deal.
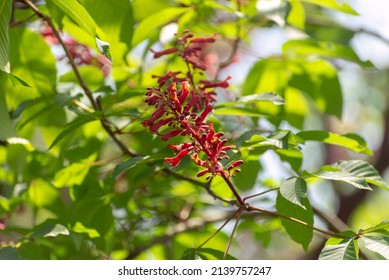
(318, 80)
(70, 127)
(42, 194)
(267, 75)
(282, 139)
(238, 111)
(293, 156)
(80, 228)
(74, 10)
(9, 253)
(334, 5)
(128, 164)
(5, 16)
(148, 26)
(30, 251)
(335, 174)
(16, 80)
(294, 190)
(7, 128)
(384, 226)
(114, 17)
(349, 141)
(254, 98)
(49, 228)
(309, 47)
(363, 169)
(74, 174)
(347, 249)
(300, 232)
(32, 61)
(205, 254)
(246, 179)
(296, 16)
(378, 244)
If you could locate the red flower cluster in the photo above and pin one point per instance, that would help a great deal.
(182, 111)
(175, 115)
(190, 50)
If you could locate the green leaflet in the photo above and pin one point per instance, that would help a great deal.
(350, 141)
(347, 249)
(253, 98)
(378, 244)
(295, 190)
(383, 226)
(300, 233)
(355, 172)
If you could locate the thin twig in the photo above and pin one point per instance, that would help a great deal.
(275, 214)
(219, 229)
(233, 232)
(259, 194)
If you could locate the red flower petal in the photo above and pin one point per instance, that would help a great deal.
(174, 161)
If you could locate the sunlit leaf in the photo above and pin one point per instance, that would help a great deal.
(378, 244)
(238, 111)
(309, 48)
(254, 98)
(363, 169)
(152, 23)
(383, 226)
(334, 5)
(294, 190)
(345, 250)
(339, 175)
(296, 16)
(73, 174)
(349, 141)
(80, 228)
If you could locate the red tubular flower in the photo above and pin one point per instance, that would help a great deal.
(170, 134)
(222, 84)
(203, 40)
(164, 52)
(205, 113)
(174, 161)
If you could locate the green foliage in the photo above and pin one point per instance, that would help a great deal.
(5, 16)
(82, 176)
